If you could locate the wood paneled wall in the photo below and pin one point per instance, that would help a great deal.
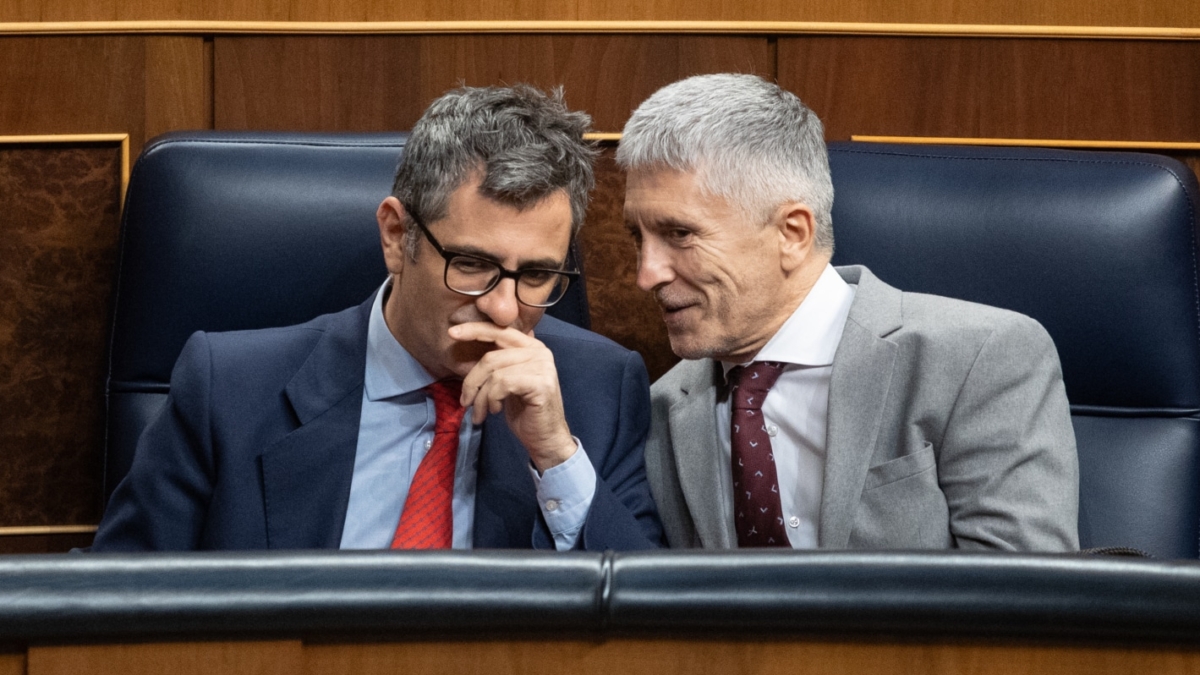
(1173, 13)
(143, 85)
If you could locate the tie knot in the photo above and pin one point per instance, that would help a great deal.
(445, 395)
(751, 383)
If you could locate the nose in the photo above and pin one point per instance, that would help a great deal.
(654, 266)
(500, 304)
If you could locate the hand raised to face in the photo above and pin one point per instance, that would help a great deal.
(518, 376)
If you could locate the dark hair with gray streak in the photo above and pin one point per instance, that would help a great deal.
(524, 143)
(747, 140)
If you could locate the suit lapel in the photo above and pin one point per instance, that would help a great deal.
(505, 502)
(307, 474)
(698, 460)
(858, 392)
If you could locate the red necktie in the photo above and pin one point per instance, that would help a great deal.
(427, 520)
(758, 516)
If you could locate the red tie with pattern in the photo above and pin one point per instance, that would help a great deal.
(427, 520)
(758, 516)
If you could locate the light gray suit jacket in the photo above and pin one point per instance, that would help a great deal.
(948, 427)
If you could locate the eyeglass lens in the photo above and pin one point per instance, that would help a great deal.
(473, 276)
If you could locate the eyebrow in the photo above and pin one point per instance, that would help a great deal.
(539, 263)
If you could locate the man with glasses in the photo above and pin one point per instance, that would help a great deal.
(446, 410)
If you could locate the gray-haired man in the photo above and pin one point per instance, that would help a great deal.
(446, 410)
(820, 407)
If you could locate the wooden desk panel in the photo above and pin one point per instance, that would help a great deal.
(626, 657)
(384, 83)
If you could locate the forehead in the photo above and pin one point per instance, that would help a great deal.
(478, 223)
(666, 196)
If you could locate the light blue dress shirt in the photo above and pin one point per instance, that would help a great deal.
(396, 430)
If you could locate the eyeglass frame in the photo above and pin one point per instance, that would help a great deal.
(505, 273)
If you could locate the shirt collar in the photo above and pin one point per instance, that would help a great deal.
(391, 370)
(811, 334)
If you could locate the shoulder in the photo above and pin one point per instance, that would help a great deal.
(954, 319)
(934, 320)
(572, 341)
(261, 354)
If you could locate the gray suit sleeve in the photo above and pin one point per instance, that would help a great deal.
(1008, 465)
(663, 476)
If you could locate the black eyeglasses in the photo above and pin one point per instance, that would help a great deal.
(471, 275)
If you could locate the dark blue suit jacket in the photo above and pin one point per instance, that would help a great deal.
(255, 445)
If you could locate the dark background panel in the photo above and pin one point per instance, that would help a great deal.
(60, 207)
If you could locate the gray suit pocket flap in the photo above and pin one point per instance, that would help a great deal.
(901, 467)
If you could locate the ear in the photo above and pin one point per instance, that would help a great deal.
(392, 218)
(797, 234)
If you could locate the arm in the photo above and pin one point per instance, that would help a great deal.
(520, 378)
(623, 516)
(161, 504)
(1008, 464)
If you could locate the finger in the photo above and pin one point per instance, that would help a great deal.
(483, 331)
(532, 382)
(490, 363)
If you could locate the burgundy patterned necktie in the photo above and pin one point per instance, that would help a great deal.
(427, 520)
(758, 516)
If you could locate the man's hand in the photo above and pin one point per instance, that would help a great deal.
(520, 378)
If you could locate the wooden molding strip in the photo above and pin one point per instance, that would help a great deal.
(602, 136)
(610, 27)
(45, 530)
(1030, 142)
(123, 139)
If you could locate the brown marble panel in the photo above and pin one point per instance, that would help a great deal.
(619, 309)
(43, 543)
(58, 236)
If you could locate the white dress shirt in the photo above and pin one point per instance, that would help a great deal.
(796, 409)
(396, 430)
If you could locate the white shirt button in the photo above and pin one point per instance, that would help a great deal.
(794, 521)
(428, 444)
(551, 504)
(772, 430)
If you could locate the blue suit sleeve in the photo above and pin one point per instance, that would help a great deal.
(622, 516)
(161, 503)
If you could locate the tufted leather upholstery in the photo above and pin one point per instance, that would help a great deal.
(1098, 247)
(231, 231)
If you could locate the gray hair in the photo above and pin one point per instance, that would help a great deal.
(524, 143)
(747, 140)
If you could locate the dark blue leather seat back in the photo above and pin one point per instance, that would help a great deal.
(231, 231)
(1101, 249)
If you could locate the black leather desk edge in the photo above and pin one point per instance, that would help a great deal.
(380, 595)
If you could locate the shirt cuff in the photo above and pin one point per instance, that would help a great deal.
(564, 494)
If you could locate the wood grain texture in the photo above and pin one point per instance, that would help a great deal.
(12, 664)
(71, 85)
(720, 657)
(178, 85)
(57, 258)
(1018, 88)
(372, 83)
(140, 85)
(180, 658)
(1056, 12)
